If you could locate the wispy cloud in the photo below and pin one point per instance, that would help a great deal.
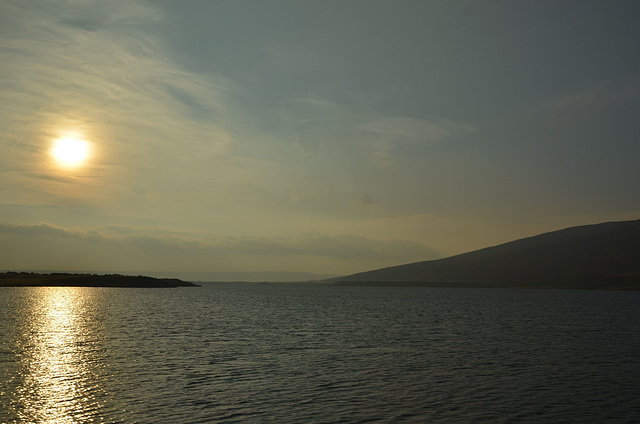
(602, 94)
(382, 135)
(103, 70)
(290, 57)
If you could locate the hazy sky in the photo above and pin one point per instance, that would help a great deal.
(320, 136)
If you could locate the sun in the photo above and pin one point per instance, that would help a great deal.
(71, 152)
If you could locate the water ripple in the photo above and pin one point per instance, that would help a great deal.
(256, 354)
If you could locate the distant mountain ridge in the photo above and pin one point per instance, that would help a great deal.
(599, 256)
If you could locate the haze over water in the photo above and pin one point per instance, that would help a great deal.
(291, 353)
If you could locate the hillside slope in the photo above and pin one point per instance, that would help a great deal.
(600, 256)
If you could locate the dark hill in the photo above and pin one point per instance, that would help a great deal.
(601, 256)
(9, 279)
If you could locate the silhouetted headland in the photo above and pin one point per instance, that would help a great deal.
(59, 279)
(602, 257)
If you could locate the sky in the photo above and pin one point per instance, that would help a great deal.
(327, 137)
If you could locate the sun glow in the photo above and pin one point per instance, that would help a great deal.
(71, 152)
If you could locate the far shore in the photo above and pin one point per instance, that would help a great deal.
(63, 279)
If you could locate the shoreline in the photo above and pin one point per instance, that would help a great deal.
(63, 279)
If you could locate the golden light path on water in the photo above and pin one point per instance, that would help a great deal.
(60, 364)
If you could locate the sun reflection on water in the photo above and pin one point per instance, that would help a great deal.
(60, 361)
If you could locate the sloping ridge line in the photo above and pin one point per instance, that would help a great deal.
(590, 256)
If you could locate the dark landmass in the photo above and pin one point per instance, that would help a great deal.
(59, 279)
(597, 257)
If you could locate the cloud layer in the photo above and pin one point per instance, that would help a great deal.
(45, 246)
(289, 134)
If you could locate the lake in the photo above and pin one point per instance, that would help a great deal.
(318, 354)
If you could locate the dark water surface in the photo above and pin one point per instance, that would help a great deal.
(304, 354)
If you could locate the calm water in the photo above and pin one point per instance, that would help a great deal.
(273, 354)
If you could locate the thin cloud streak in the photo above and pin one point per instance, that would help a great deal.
(384, 134)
